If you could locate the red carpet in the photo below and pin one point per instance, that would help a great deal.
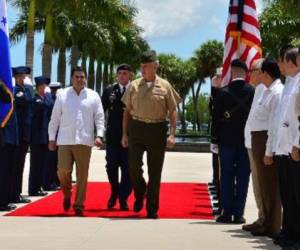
(177, 201)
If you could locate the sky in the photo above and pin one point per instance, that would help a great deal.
(170, 26)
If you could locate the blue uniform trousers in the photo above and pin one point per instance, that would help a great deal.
(38, 163)
(7, 158)
(235, 173)
(18, 169)
(50, 178)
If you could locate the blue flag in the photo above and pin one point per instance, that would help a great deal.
(5, 66)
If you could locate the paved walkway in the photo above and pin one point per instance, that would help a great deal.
(31, 233)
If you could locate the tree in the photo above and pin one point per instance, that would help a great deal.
(182, 75)
(290, 6)
(93, 30)
(28, 10)
(207, 58)
(279, 27)
(203, 114)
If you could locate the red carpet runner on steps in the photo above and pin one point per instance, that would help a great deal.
(177, 201)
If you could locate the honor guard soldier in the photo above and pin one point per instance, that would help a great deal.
(5, 172)
(149, 100)
(50, 178)
(41, 105)
(215, 87)
(23, 94)
(231, 112)
(116, 155)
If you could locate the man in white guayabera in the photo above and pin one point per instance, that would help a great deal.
(77, 112)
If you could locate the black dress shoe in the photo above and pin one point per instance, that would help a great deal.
(123, 206)
(224, 219)
(67, 204)
(216, 211)
(251, 227)
(138, 205)
(152, 215)
(78, 212)
(214, 198)
(216, 204)
(111, 201)
(239, 220)
(260, 232)
(38, 193)
(211, 184)
(8, 207)
(287, 243)
(21, 199)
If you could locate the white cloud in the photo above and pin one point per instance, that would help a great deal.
(167, 18)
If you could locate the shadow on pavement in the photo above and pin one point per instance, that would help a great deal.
(260, 242)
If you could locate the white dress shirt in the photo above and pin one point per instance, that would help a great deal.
(265, 112)
(286, 120)
(250, 124)
(121, 87)
(75, 117)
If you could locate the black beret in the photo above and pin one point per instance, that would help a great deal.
(21, 70)
(124, 66)
(148, 56)
(42, 80)
(238, 63)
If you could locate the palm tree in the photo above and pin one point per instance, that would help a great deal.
(94, 31)
(207, 58)
(28, 10)
(182, 75)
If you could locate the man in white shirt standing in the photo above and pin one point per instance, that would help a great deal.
(76, 113)
(262, 138)
(287, 140)
(251, 125)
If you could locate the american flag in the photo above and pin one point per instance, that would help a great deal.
(243, 38)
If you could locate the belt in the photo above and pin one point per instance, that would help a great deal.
(259, 132)
(147, 120)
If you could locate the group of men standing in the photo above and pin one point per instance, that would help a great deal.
(256, 129)
(27, 126)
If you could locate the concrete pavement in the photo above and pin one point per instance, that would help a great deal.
(32, 233)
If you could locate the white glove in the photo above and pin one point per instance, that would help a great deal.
(214, 148)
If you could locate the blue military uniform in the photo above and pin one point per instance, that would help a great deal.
(6, 157)
(39, 139)
(50, 178)
(116, 155)
(4, 98)
(23, 97)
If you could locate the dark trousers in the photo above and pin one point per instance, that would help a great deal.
(216, 172)
(235, 173)
(7, 157)
(117, 157)
(50, 178)
(38, 163)
(286, 189)
(152, 139)
(295, 200)
(18, 169)
(268, 183)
